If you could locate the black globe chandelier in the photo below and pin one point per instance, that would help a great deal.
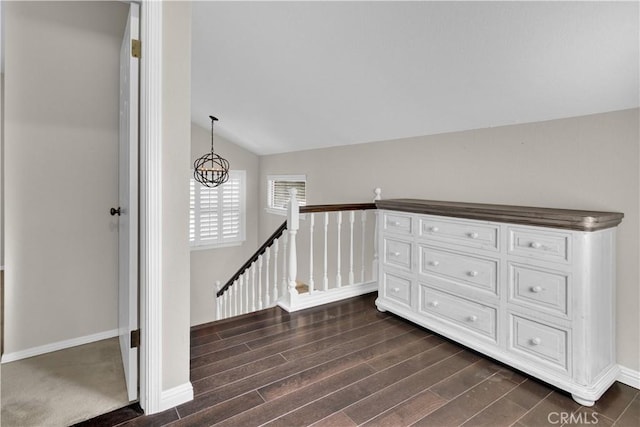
(211, 170)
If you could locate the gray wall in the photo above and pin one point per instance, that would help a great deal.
(61, 145)
(176, 135)
(210, 265)
(589, 162)
(1, 162)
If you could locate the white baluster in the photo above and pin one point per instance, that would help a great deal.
(285, 241)
(253, 287)
(363, 220)
(246, 296)
(275, 270)
(338, 276)
(352, 219)
(241, 293)
(239, 299)
(311, 223)
(325, 278)
(293, 262)
(218, 300)
(260, 299)
(266, 276)
(235, 298)
(224, 304)
(378, 196)
(230, 302)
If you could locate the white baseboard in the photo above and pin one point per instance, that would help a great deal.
(176, 396)
(629, 377)
(60, 345)
(317, 298)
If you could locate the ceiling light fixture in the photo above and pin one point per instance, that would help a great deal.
(211, 170)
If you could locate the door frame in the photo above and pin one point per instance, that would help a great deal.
(150, 244)
(128, 200)
(150, 196)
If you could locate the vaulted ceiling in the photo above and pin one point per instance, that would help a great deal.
(288, 76)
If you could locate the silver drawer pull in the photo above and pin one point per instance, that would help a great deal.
(536, 289)
(434, 263)
(535, 341)
(472, 273)
(433, 229)
(396, 290)
(393, 223)
(473, 235)
(434, 303)
(472, 319)
(535, 245)
(395, 254)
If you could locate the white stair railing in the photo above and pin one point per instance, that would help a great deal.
(286, 268)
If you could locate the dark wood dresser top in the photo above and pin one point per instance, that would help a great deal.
(543, 217)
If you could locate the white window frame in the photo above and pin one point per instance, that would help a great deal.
(270, 178)
(196, 244)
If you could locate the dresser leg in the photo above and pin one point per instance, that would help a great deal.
(582, 401)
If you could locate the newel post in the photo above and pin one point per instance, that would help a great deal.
(293, 224)
(378, 217)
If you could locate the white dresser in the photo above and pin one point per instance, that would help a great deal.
(531, 287)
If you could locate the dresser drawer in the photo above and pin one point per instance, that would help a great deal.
(540, 341)
(470, 315)
(397, 253)
(539, 288)
(399, 224)
(473, 271)
(459, 232)
(397, 289)
(543, 245)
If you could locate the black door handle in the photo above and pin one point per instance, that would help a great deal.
(115, 211)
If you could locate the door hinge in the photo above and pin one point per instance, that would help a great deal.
(135, 338)
(136, 49)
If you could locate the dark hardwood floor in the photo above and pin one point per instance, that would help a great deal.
(345, 364)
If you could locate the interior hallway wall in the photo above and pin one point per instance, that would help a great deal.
(589, 162)
(61, 146)
(176, 137)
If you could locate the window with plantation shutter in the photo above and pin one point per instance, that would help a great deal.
(278, 194)
(217, 215)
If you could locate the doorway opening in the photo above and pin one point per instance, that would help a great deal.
(63, 307)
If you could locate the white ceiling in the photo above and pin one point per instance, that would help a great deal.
(289, 76)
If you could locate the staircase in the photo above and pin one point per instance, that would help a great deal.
(320, 254)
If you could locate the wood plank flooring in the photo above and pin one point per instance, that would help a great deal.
(346, 364)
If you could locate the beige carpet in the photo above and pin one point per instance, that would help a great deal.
(63, 387)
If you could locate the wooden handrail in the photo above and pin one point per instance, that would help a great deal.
(253, 258)
(337, 207)
(280, 230)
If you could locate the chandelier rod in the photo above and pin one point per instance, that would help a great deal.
(213, 119)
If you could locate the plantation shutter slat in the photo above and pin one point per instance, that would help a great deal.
(216, 215)
(280, 193)
(231, 209)
(208, 214)
(192, 211)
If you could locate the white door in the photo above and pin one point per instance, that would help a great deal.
(128, 200)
